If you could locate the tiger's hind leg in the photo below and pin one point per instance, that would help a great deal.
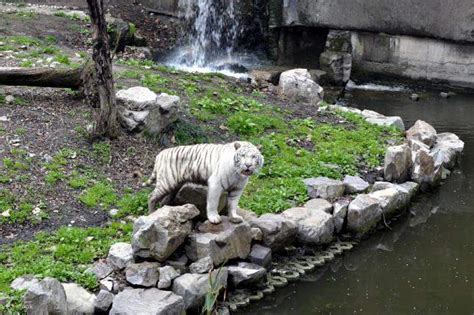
(156, 196)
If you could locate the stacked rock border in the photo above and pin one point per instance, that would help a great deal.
(173, 262)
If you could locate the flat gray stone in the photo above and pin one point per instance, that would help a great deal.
(120, 255)
(355, 184)
(79, 300)
(145, 274)
(363, 214)
(323, 187)
(277, 230)
(167, 275)
(246, 274)
(147, 301)
(319, 205)
(203, 265)
(260, 255)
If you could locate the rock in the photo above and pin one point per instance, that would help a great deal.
(340, 214)
(147, 301)
(319, 76)
(345, 109)
(246, 214)
(323, 187)
(397, 163)
(180, 265)
(319, 204)
(109, 284)
(9, 99)
(260, 255)
(416, 145)
(104, 300)
(317, 229)
(203, 265)
(101, 269)
(24, 282)
(392, 121)
(297, 85)
(45, 297)
(355, 184)
(391, 200)
(262, 78)
(426, 169)
(196, 195)
(337, 65)
(367, 113)
(363, 214)
(145, 274)
(120, 255)
(422, 132)
(79, 300)
(414, 97)
(451, 147)
(257, 234)
(163, 114)
(444, 95)
(159, 234)
(141, 109)
(136, 98)
(220, 242)
(194, 287)
(167, 275)
(245, 274)
(277, 230)
(410, 187)
(298, 213)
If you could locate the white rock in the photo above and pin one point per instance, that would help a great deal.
(340, 214)
(245, 274)
(317, 229)
(323, 187)
(120, 255)
(422, 131)
(79, 300)
(363, 214)
(392, 121)
(136, 98)
(297, 85)
(167, 274)
(397, 163)
(355, 184)
(319, 204)
(277, 230)
(147, 301)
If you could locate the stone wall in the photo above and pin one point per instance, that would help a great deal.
(451, 20)
(415, 58)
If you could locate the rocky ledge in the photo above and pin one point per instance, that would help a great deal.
(174, 262)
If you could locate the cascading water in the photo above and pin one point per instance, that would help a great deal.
(211, 39)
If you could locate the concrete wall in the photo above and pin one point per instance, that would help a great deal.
(412, 57)
(446, 19)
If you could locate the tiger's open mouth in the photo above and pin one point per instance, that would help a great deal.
(247, 172)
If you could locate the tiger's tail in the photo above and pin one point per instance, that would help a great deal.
(152, 177)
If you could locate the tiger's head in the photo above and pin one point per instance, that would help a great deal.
(247, 158)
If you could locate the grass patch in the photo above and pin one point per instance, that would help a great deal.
(135, 204)
(64, 254)
(102, 152)
(100, 194)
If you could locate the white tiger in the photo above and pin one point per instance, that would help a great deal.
(222, 167)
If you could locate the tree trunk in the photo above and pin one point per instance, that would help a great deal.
(44, 77)
(106, 120)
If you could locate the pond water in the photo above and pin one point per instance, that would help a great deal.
(425, 264)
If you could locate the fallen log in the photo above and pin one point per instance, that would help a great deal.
(43, 77)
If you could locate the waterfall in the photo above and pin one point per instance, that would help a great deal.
(212, 31)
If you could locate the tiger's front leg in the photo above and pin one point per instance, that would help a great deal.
(232, 204)
(213, 195)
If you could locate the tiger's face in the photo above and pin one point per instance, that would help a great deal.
(247, 159)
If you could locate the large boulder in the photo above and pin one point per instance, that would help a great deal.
(197, 195)
(423, 132)
(277, 230)
(145, 274)
(147, 301)
(193, 287)
(245, 274)
(391, 200)
(141, 109)
(120, 255)
(159, 234)
(397, 163)
(363, 214)
(79, 300)
(323, 187)
(450, 147)
(297, 85)
(355, 184)
(45, 297)
(318, 229)
(220, 242)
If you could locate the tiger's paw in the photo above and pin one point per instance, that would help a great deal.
(214, 219)
(236, 219)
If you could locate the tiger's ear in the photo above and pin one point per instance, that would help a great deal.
(237, 145)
